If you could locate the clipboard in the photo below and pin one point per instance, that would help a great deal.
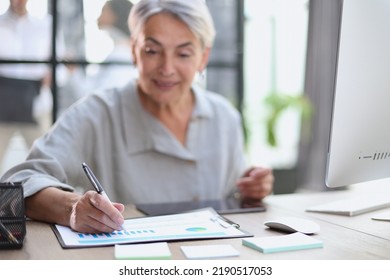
(201, 224)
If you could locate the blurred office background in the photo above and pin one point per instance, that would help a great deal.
(263, 47)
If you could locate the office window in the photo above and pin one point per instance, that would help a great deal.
(97, 53)
(275, 57)
(85, 48)
(225, 69)
(25, 51)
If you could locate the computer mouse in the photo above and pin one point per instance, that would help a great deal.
(293, 224)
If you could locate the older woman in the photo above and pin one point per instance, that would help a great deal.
(161, 138)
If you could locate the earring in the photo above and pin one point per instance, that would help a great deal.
(201, 78)
(201, 75)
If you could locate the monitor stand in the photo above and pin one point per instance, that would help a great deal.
(352, 206)
(385, 216)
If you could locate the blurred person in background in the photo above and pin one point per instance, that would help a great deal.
(25, 96)
(112, 20)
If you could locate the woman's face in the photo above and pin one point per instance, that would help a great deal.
(18, 7)
(167, 55)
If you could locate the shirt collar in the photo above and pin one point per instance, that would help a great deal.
(202, 106)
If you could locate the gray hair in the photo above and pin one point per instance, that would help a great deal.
(194, 13)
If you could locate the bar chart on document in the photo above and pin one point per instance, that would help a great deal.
(193, 225)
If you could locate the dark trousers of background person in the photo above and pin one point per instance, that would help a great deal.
(16, 111)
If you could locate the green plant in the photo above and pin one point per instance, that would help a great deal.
(277, 104)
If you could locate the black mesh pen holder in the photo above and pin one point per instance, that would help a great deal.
(12, 216)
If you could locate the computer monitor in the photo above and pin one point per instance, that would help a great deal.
(359, 146)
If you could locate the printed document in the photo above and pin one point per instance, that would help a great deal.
(201, 224)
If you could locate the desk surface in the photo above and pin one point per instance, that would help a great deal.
(348, 238)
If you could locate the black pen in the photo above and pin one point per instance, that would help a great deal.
(8, 235)
(95, 182)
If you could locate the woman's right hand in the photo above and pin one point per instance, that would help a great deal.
(88, 213)
(93, 213)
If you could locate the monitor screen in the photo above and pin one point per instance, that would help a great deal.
(359, 146)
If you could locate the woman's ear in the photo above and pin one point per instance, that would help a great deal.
(132, 47)
(205, 59)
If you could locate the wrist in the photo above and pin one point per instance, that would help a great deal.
(71, 200)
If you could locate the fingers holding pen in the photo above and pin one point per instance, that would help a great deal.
(94, 213)
(111, 211)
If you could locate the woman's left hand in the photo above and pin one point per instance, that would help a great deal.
(256, 183)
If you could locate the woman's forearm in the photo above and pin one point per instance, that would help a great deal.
(51, 205)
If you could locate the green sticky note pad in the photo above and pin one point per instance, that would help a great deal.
(149, 251)
(289, 242)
